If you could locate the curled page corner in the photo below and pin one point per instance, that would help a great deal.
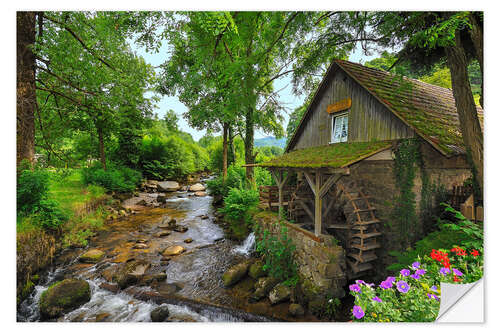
(461, 302)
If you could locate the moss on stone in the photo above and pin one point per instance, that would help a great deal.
(336, 155)
(63, 296)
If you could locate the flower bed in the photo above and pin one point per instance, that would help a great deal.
(414, 296)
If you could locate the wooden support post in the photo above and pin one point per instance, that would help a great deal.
(280, 181)
(319, 191)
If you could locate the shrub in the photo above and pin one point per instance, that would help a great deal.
(278, 255)
(119, 179)
(235, 179)
(32, 187)
(48, 215)
(239, 203)
(461, 232)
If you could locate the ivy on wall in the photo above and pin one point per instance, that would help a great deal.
(406, 160)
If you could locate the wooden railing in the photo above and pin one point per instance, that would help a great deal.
(269, 196)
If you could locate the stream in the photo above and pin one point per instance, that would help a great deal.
(193, 290)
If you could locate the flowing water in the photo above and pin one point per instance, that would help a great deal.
(193, 290)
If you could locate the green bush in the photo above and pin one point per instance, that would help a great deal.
(239, 203)
(235, 179)
(278, 255)
(171, 157)
(119, 179)
(32, 188)
(48, 215)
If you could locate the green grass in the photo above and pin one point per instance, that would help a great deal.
(73, 197)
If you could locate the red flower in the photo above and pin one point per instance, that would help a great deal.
(475, 253)
(455, 279)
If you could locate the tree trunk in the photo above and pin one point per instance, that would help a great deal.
(102, 153)
(231, 154)
(25, 88)
(249, 157)
(476, 33)
(464, 101)
(224, 152)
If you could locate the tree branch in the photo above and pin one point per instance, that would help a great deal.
(80, 40)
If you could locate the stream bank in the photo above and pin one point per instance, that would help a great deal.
(192, 289)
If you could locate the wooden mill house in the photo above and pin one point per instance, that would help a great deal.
(342, 154)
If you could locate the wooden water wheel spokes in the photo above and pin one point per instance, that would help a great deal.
(363, 231)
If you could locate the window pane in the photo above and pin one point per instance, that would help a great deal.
(340, 129)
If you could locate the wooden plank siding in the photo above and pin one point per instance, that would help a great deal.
(368, 118)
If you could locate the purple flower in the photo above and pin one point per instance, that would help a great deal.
(360, 282)
(385, 284)
(355, 288)
(405, 272)
(369, 284)
(444, 271)
(434, 288)
(402, 286)
(391, 279)
(433, 296)
(457, 272)
(377, 299)
(358, 312)
(420, 271)
(415, 276)
(415, 265)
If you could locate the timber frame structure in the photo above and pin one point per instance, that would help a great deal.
(342, 187)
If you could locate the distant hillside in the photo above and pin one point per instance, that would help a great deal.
(270, 141)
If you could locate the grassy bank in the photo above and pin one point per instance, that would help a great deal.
(82, 205)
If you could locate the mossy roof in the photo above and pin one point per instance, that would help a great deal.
(337, 155)
(430, 110)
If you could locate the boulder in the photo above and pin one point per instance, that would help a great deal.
(140, 246)
(168, 224)
(131, 272)
(160, 314)
(256, 270)
(181, 228)
(63, 297)
(168, 186)
(200, 194)
(158, 277)
(92, 256)
(161, 198)
(263, 286)
(163, 233)
(173, 250)
(280, 293)
(196, 187)
(188, 240)
(296, 310)
(235, 273)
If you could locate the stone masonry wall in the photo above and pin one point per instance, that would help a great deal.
(321, 263)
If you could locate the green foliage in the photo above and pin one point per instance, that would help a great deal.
(473, 231)
(48, 214)
(277, 252)
(235, 179)
(239, 203)
(32, 188)
(114, 178)
(170, 157)
(404, 212)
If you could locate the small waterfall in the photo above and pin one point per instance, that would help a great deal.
(247, 247)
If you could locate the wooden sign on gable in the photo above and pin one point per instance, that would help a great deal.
(339, 106)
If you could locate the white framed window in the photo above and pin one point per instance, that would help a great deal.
(340, 128)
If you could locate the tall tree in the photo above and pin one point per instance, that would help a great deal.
(25, 86)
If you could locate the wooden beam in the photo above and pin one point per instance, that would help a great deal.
(328, 184)
(317, 205)
(310, 181)
(306, 209)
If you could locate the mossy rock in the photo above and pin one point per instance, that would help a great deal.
(235, 273)
(280, 293)
(262, 287)
(63, 297)
(92, 256)
(130, 273)
(256, 270)
(159, 314)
